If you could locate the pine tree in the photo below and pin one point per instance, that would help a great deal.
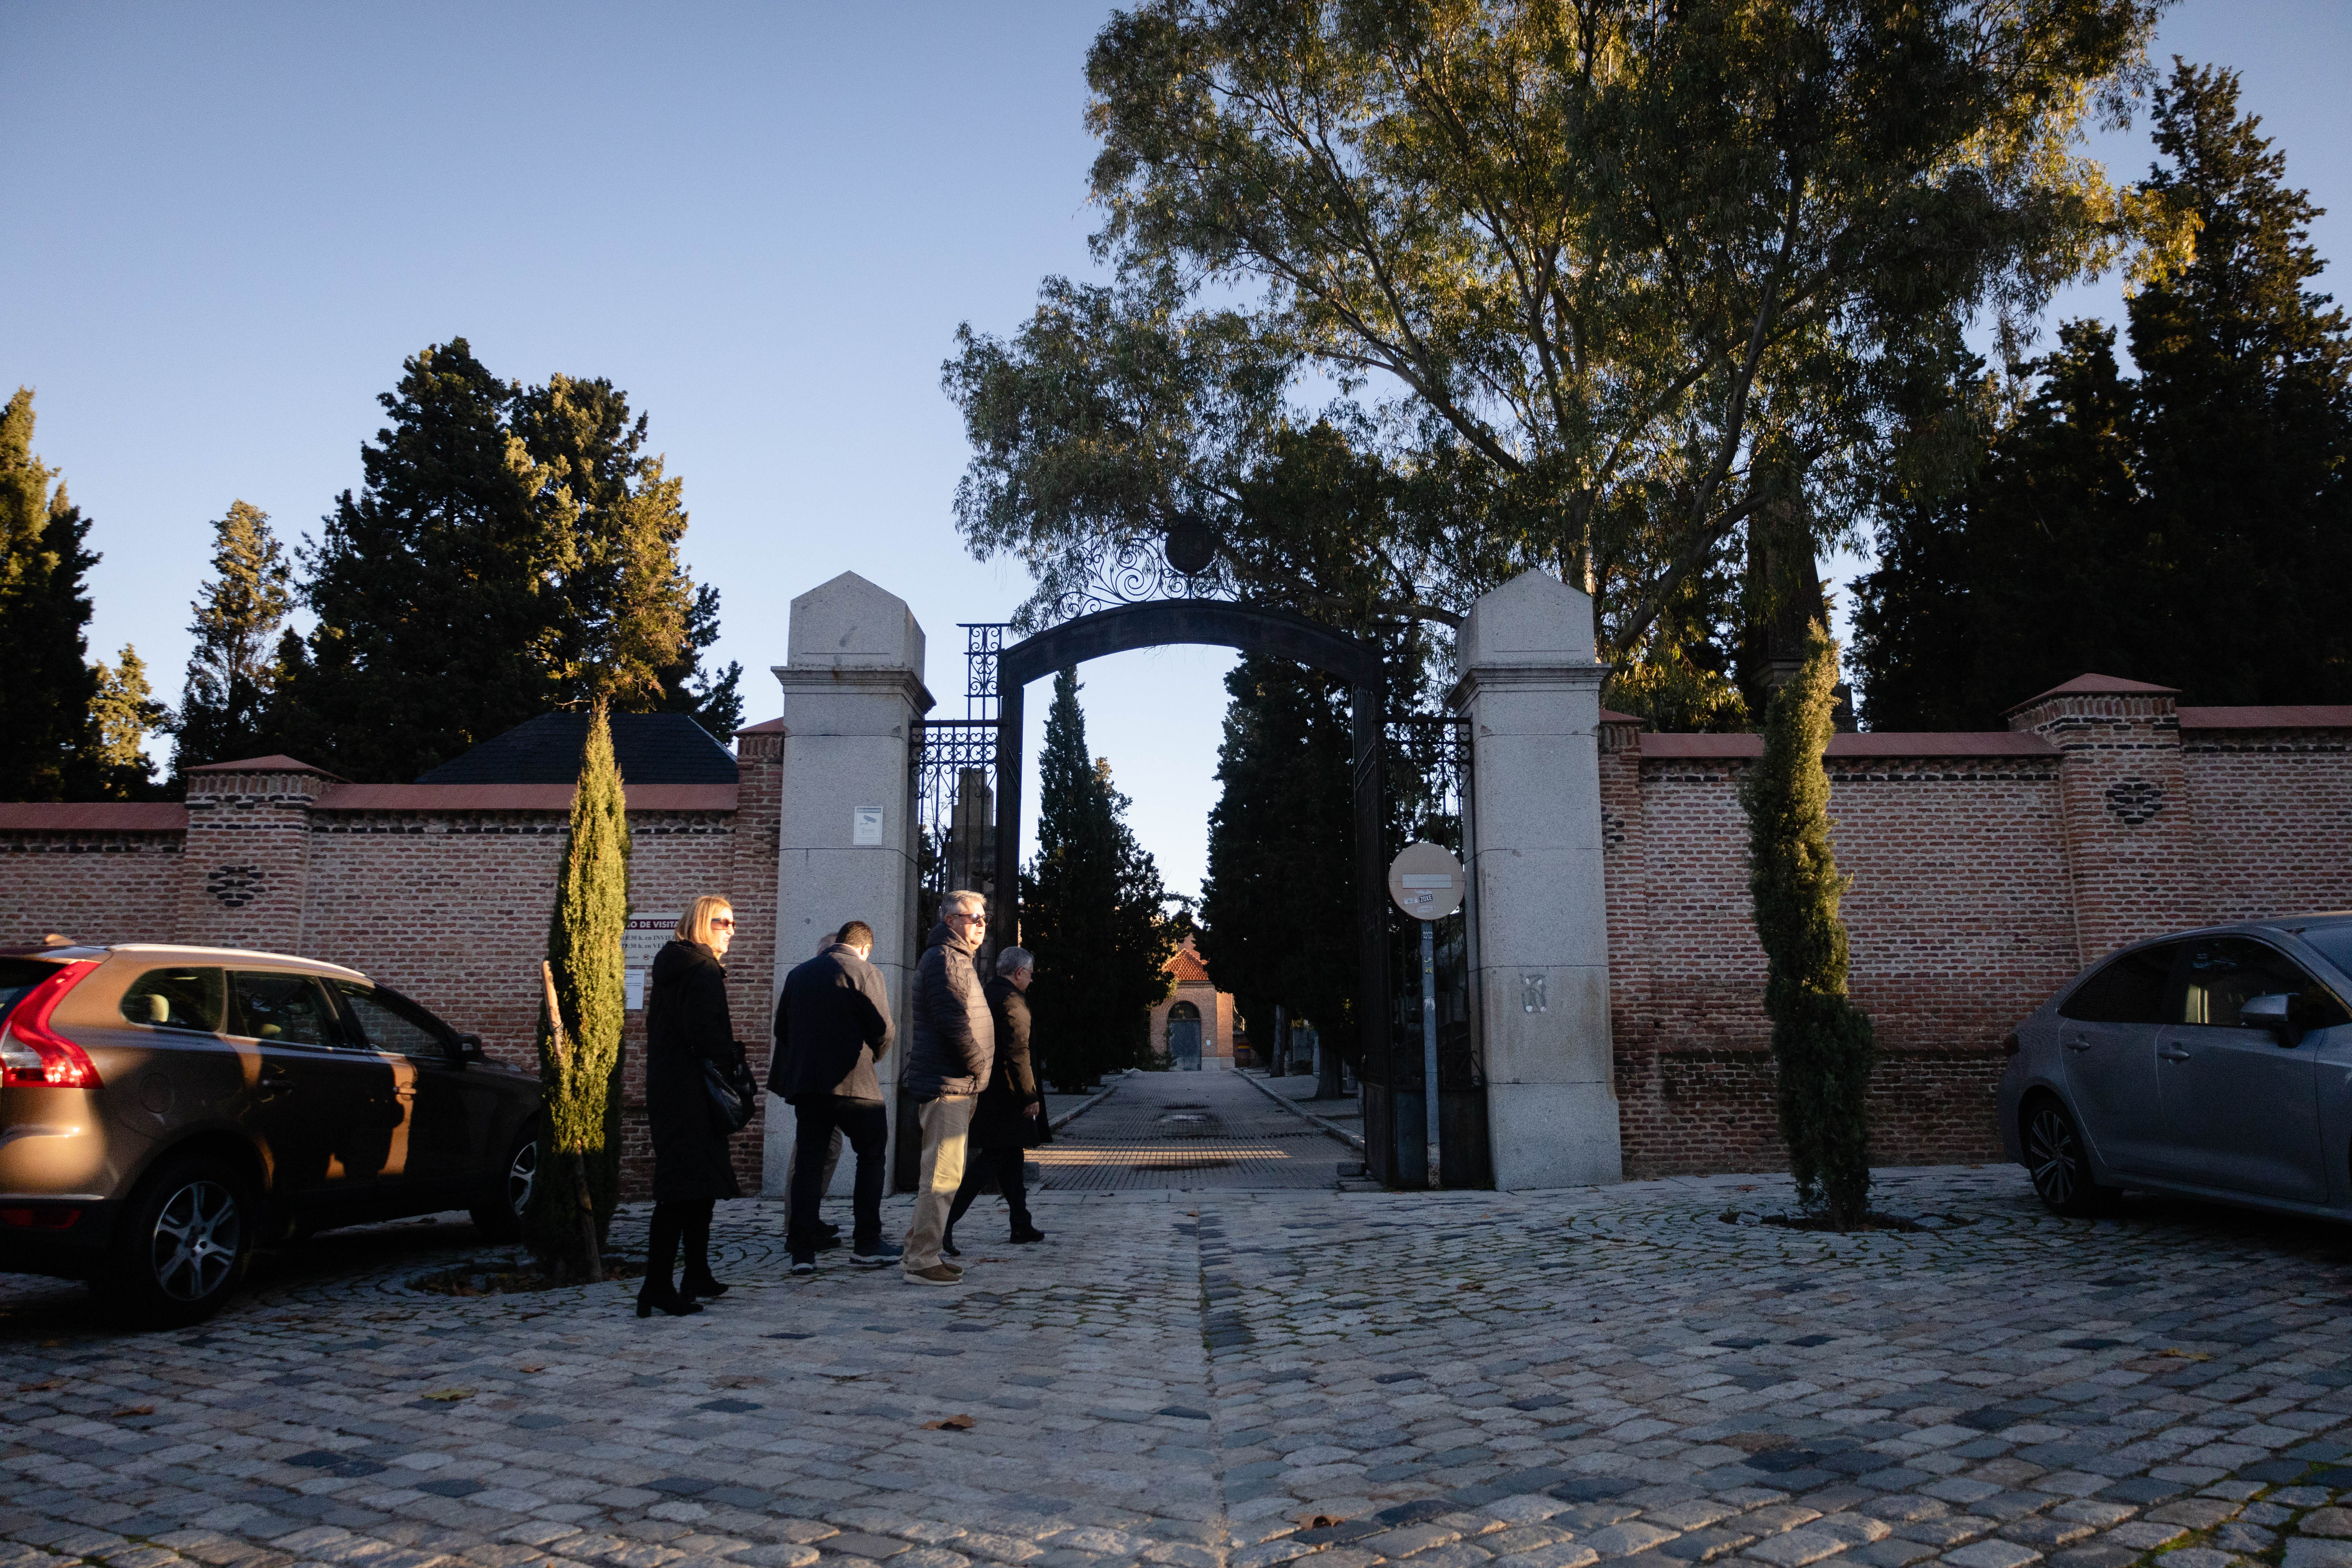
(2244, 418)
(125, 712)
(580, 1026)
(1092, 911)
(437, 628)
(1822, 1043)
(233, 669)
(620, 519)
(46, 695)
(2187, 526)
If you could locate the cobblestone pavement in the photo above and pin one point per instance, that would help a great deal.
(1190, 1130)
(1618, 1376)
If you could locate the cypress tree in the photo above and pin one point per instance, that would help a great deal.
(232, 671)
(580, 1021)
(1278, 904)
(46, 691)
(1822, 1043)
(1091, 903)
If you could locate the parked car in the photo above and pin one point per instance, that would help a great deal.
(163, 1109)
(2216, 1062)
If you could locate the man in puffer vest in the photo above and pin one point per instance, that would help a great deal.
(950, 1058)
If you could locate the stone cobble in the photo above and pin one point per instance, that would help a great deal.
(1637, 1377)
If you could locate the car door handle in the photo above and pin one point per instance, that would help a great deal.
(277, 1078)
(2173, 1054)
(2078, 1043)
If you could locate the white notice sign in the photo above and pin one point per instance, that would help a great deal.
(644, 937)
(866, 825)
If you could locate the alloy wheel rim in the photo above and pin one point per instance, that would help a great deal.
(2051, 1154)
(522, 1171)
(197, 1234)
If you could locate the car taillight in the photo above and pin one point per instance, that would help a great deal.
(2010, 1045)
(33, 1054)
(41, 1218)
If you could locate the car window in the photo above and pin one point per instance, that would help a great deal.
(17, 978)
(2220, 974)
(283, 1009)
(2334, 942)
(175, 999)
(2129, 990)
(394, 1022)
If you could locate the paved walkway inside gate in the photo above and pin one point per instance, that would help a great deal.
(1211, 1129)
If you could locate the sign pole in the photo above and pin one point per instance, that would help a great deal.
(1429, 1038)
(1427, 883)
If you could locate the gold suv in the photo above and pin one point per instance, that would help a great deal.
(162, 1109)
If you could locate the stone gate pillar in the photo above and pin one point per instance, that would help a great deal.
(1530, 686)
(853, 684)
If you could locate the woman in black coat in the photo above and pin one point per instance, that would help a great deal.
(1011, 1116)
(687, 1025)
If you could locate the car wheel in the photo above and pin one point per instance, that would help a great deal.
(2058, 1164)
(186, 1243)
(500, 1217)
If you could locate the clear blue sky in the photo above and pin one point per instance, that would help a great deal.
(765, 222)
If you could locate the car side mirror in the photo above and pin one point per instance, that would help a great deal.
(2274, 1013)
(469, 1048)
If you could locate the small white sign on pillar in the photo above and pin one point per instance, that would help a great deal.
(866, 825)
(644, 937)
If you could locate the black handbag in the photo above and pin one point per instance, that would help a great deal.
(733, 1096)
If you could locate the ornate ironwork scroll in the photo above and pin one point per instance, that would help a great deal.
(1184, 563)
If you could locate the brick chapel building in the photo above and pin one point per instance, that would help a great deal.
(1988, 867)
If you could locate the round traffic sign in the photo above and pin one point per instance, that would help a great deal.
(1426, 881)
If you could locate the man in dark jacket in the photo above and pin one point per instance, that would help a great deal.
(953, 1051)
(832, 1022)
(1010, 1117)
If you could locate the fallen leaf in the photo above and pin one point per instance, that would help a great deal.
(448, 1394)
(530, 1369)
(1472, 1285)
(40, 1387)
(952, 1424)
(2178, 1354)
(1318, 1520)
(130, 1410)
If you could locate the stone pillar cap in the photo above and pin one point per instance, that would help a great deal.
(850, 624)
(1533, 619)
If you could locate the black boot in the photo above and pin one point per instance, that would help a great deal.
(661, 1252)
(697, 1281)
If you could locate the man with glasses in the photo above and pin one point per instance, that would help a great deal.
(953, 1053)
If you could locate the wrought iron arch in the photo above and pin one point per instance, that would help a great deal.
(1250, 629)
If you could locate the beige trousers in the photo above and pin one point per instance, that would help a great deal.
(945, 1121)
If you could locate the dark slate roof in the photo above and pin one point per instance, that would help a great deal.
(651, 748)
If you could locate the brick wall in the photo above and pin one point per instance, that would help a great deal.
(1986, 869)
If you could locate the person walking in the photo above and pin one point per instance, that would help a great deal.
(953, 1050)
(1010, 1119)
(687, 1026)
(828, 1234)
(832, 1023)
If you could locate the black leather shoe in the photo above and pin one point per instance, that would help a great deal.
(948, 1245)
(1027, 1234)
(701, 1285)
(666, 1300)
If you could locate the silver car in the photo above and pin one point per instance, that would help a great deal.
(2216, 1063)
